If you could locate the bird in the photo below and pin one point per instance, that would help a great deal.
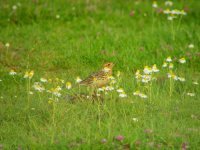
(100, 78)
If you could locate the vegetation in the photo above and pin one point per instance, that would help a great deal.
(152, 101)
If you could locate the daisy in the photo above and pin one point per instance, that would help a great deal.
(136, 93)
(154, 5)
(123, 95)
(143, 95)
(182, 60)
(29, 74)
(171, 66)
(57, 16)
(78, 80)
(38, 87)
(14, 7)
(7, 45)
(147, 70)
(168, 3)
(169, 59)
(68, 85)
(101, 89)
(43, 80)
(191, 46)
(12, 72)
(167, 11)
(146, 78)
(135, 119)
(181, 79)
(154, 68)
(164, 65)
(191, 94)
(195, 82)
(30, 92)
(109, 88)
(120, 90)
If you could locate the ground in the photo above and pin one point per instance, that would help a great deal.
(61, 40)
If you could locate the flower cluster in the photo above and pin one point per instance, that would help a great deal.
(148, 74)
(169, 12)
(174, 13)
(168, 63)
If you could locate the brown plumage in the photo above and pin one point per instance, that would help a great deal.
(99, 79)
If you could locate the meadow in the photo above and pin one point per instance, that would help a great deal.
(47, 47)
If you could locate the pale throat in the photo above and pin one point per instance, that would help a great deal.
(106, 69)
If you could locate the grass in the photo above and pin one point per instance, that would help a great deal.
(88, 34)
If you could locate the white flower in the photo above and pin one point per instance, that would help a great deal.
(29, 74)
(195, 82)
(169, 59)
(181, 79)
(168, 3)
(31, 93)
(38, 87)
(167, 11)
(154, 68)
(135, 119)
(101, 89)
(7, 45)
(171, 66)
(68, 85)
(57, 16)
(147, 70)
(154, 5)
(146, 78)
(183, 12)
(136, 93)
(12, 72)
(191, 46)
(123, 95)
(43, 80)
(78, 80)
(143, 95)
(14, 7)
(191, 94)
(109, 88)
(164, 65)
(58, 88)
(182, 60)
(98, 95)
(120, 90)
(172, 75)
(57, 94)
(170, 18)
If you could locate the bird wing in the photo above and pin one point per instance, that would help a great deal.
(95, 76)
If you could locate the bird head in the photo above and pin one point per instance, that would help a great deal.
(108, 66)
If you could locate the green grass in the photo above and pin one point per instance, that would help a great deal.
(87, 35)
